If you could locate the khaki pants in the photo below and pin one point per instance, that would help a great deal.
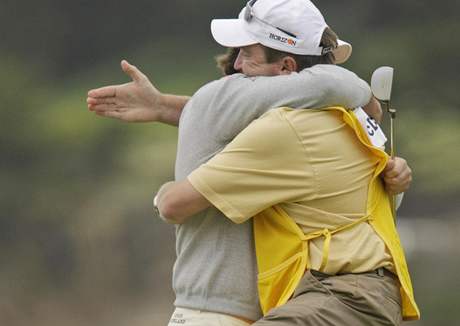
(191, 317)
(366, 299)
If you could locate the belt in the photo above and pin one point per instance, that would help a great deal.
(382, 271)
(379, 271)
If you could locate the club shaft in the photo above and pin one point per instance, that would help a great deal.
(392, 113)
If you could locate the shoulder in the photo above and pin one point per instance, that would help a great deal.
(223, 89)
(226, 81)
(282, 118)
(272, 130)
(273, 119)
(324, 73)
(327, 69)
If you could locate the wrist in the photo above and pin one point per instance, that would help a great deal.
(170, 108)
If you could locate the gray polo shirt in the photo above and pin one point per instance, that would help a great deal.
(215, 269)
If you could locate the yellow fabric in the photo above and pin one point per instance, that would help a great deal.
(310, 162)
(302, 174)
(327, 234)
(282, 248)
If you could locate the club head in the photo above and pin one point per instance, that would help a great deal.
(381, 82)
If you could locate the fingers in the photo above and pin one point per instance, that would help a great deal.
(390, 165)
(132, 71)
(400, 180)
(111, 91)
(119, 115)
(101, 104)
(395, 167)
(397, 176)
(110, 114)
(106, 91)
(102, 107)
(102, 100)
(394, 187)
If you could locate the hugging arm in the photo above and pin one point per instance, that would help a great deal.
(176, 201)
(237, 181)
(316, 87)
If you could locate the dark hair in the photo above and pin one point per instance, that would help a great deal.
(328, 40)
(226, 61)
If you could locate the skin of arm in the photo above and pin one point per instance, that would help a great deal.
(374, 109)
(140, 101)
(179, 200)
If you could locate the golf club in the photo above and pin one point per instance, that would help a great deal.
(381, 84)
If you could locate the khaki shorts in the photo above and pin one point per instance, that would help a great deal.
(366, 299)
(191, 317)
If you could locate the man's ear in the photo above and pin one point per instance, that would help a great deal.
(288, 65)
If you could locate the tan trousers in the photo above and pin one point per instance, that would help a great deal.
(191, 317)
(366, 299)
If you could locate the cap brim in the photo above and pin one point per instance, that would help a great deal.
(342, 52)
(231, 33)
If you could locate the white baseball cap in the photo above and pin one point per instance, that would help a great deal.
(293, 26)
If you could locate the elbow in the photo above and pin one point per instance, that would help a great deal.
(170, 211)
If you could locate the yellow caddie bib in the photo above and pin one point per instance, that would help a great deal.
(282, 247)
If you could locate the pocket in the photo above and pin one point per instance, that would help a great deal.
(391, 309)
(382, 293)
(342, 287)
(384, 286)
(314, 281)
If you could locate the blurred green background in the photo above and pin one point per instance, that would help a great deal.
(79, 244)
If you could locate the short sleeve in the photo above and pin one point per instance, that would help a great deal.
(264, 165)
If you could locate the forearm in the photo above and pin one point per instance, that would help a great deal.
(374, 109)
(171, 108)
(177, 201)
(333, 85)
(316, 87)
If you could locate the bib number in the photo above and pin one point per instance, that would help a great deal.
(373, 130)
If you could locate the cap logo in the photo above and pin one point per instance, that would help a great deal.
(282, 39)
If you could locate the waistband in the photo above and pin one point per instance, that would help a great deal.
(379, 271)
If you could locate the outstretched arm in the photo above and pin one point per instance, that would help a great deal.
(136, 101)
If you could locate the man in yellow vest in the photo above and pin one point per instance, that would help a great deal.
(325, 237)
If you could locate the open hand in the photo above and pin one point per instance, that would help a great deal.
(136, 101)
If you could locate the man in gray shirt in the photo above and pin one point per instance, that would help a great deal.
(215, 269)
